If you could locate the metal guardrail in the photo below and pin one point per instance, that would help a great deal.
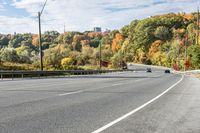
(40, 74)
(193, 71)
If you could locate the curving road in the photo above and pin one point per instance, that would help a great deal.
(97, 104)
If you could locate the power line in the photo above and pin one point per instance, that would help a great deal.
(43, 7)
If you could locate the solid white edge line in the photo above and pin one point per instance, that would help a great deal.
(136, 110)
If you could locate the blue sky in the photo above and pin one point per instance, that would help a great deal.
(79, 15)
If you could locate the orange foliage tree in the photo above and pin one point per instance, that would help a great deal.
(35, 40)
(85, 43)
(186, 16)
(95, 35)
(116, 43)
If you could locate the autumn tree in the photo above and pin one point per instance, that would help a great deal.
(117, 42)
(53, 56)
(67, 63)
(154, 48)
(163, 33)
(35, 40)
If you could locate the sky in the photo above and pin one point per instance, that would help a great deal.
(82, 15)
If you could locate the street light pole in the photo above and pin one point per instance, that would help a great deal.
(40, 36)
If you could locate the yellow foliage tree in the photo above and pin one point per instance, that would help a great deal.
(66, 62)
(154, 48)
(199, 41)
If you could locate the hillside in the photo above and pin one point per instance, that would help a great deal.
(166, 40)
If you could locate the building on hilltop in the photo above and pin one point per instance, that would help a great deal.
(97, 29)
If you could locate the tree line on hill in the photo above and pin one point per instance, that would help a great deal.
(166, 40)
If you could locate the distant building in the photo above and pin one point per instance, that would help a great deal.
(97, 29)
(108, 31)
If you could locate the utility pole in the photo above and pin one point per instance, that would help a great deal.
(40, 42)
(64, 28)
(197, 34)
(100, 62)
(185, 43)
(40, 36)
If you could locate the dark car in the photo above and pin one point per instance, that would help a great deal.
(167, 71)
(149, 70)
(125, 67)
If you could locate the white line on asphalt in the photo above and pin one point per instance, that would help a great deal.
(76, 92)
(70, 93)
(47, 85)
(117, 84)
(136, 110)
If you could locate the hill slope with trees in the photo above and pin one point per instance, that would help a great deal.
(165, 40)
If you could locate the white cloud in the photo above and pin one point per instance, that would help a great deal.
(11, 25)
(81, 15)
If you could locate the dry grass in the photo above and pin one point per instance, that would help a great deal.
(197, 75)
(15, 66)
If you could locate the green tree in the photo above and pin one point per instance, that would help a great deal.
(163, 33)
(4, 40)
(125, 31)
(53, 56)
(9, 55)
(117, 60)
(191, 34)
(194, 53)
(24, 53)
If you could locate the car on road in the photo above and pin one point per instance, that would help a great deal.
(125, 67)
(167, 71)
(149, 70)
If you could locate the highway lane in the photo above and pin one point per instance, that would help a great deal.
(178, 111)
(76, 105)
(29, 90)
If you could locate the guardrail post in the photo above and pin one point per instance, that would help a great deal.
(1, 76)
(22, 75)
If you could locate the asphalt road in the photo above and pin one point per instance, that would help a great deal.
(125, 102)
